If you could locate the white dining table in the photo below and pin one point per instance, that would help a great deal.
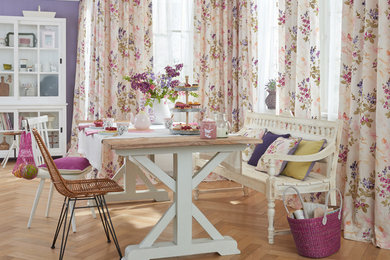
(91, 146)
(182, 183)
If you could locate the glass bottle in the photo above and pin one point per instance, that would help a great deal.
(223, 125)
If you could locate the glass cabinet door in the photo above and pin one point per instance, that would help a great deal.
(26, 115)
(7, 60)
(27, 59)
(49, 61)
(6, 121)
(53, 128)
(6, 124)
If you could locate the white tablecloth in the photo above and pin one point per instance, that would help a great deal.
(91, 146)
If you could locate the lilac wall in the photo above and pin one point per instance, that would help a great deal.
(65, 9)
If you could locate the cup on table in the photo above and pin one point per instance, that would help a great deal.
(108, 122)
(122, 127)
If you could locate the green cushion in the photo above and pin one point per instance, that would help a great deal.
(300, 170)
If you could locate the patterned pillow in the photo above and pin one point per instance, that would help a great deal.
(253, 133)
(260, 149)
(279, 146)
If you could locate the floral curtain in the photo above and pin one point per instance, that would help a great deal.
(225, 56)
(365, 109)
(298, 87)
(115, 39)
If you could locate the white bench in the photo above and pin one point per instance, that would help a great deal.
(273, 186)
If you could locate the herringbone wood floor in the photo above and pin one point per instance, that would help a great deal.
(243, 218)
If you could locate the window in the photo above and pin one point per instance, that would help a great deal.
(268, 48)
(173, 22)
(330, 28)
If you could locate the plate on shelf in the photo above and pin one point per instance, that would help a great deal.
(187, 88)
(49, 86)
(96, 127)
(184, 132)
(186, 110)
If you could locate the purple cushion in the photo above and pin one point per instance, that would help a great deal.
(70, 163)
(260, 149)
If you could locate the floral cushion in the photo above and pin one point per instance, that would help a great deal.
(279, 146)
(260, 149)
(70, 165)
(253, 133)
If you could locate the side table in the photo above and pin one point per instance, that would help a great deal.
(14, 146)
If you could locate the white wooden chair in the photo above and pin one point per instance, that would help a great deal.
(273, 186)
(40, 123)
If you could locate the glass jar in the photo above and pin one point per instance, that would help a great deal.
(223, 125)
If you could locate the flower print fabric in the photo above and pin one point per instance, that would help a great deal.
(364, 156)
(225, 56)
(281, 145)
(298, 83)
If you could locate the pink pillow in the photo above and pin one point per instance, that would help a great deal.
(70, 164)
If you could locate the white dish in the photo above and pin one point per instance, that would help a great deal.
(39, 14)
(108, 133)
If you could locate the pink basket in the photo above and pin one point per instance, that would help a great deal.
(316, 237)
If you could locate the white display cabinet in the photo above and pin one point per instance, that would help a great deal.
(33, 75)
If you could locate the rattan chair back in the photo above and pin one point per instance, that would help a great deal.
(56, 178)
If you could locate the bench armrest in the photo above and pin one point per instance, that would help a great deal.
(330, 149)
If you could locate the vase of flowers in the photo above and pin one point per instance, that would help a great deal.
(157, 88)
(270, 100)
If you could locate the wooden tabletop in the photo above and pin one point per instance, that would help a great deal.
(174, 141)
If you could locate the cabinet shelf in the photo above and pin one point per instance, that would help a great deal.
(48, 49)
(28, 73)
(48, 73)
(27, 48)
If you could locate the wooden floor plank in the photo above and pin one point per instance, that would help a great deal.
(243, 218)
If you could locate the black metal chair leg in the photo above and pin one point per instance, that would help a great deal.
(98, 205)
(66, 230)
(64, 211)
(111, 227)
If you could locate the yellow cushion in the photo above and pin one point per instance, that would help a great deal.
(300, 170)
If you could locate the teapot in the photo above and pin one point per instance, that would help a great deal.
(142, 120)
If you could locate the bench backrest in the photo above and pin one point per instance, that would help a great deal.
(309, 129)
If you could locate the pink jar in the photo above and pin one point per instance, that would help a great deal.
(208, 129)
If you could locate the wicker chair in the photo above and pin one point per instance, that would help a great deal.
(40, 123)
(76, 190)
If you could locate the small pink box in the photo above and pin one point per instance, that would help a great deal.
(208, 129)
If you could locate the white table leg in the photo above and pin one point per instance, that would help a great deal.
(181, 212)
(130, 171)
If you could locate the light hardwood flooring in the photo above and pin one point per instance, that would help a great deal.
(243, 218)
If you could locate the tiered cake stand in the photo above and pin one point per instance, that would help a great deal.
(187, 88)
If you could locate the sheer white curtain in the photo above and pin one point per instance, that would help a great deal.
(268, 48)
(330, 27)
(173, 23)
